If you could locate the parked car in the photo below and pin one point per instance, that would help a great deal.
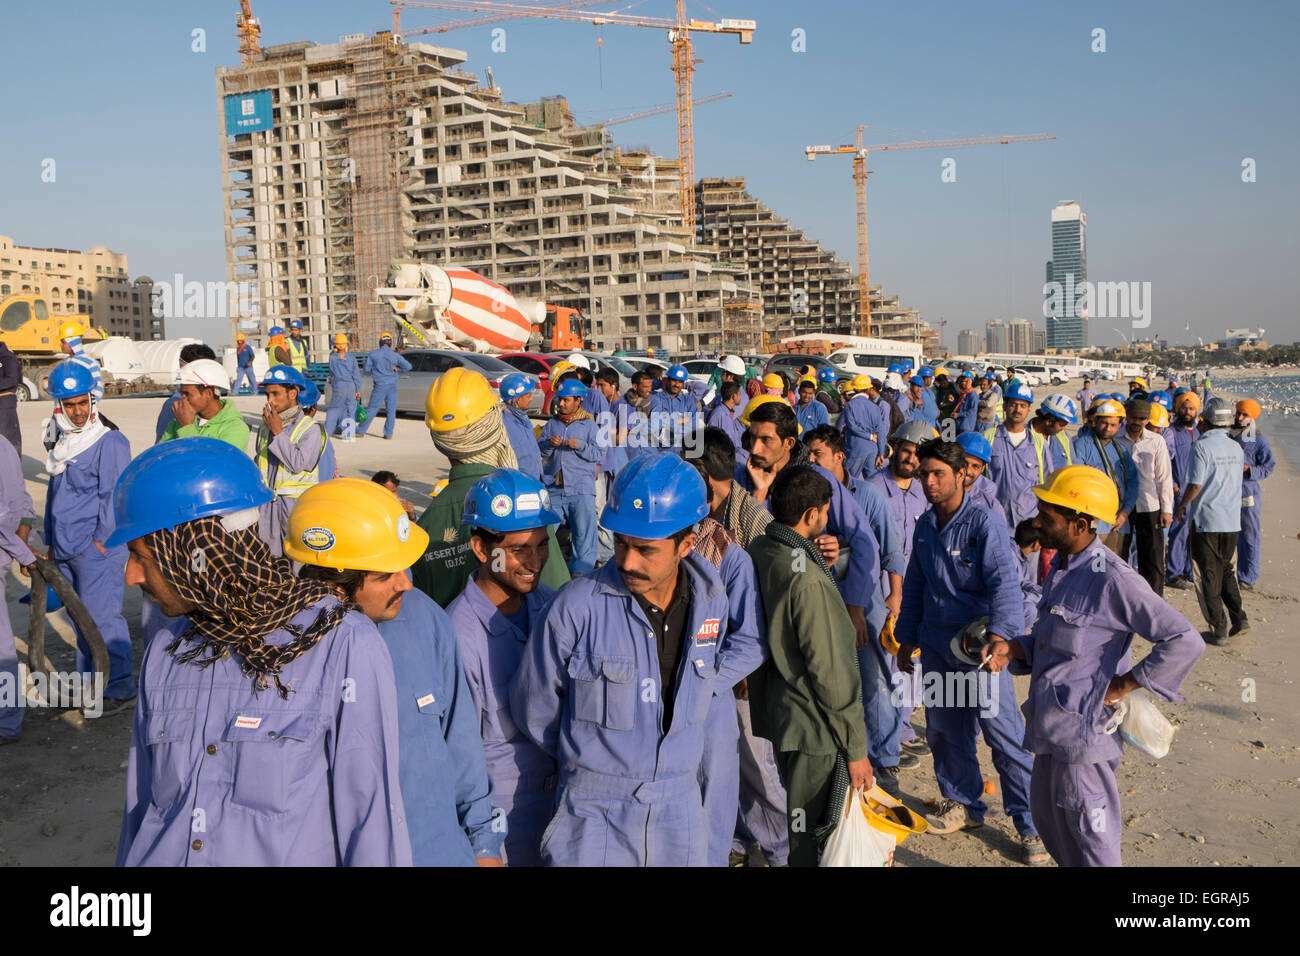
(1029, 378)
(428, 365)
(653, 366)
(27, 392)
(538, 365)
(601, 360)
(790, 363)
(700, 369)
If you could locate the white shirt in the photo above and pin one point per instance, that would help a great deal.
(1155, 477)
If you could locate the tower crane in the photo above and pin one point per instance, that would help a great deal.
(860, 171)
(679, 37)
(249, 31)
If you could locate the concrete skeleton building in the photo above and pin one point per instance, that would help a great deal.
(338, 159)
(93, 283)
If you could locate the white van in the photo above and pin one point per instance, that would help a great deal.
(874, 356)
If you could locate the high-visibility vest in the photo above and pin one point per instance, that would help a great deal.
(1039, 445)
(297, 354)
(288, 484)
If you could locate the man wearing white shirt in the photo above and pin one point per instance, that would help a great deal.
(1155, 501)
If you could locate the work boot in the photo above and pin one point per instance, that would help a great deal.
(1242, 628)
(1035, 852)
(907, 761)
(917, 747)
(1212, 638)
(951, 816)
(1245, 585)
(887, 780)
(1182, 584)
(735, 859)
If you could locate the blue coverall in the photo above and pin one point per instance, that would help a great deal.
(864, 424)
(673, 417)
(570, 474)
(382, 365)
(345, 385)
(244, 370)
(15, 505)
(1178, 559)
(1258, 454)
(1014, 472)
(589, 693)
(811, 415)
(967, 412)
(1116, 463)
(523, 439)
(523, 776)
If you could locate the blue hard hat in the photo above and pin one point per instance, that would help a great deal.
(1162, 399)
(516, 384)
(181, 480)
(967, 374)
(275, 330)
(926, 371)
(677, 373)
(308, 395)
(894, 369)
(655, 496)
(571, 386)
(508, 500)
(826, 374)
(285, 375)
(1119, 397)
(976, 445)
(916, 380)
(907, 364)
(69, 379)
(990, 374)
(1018, 392)
(295, 324)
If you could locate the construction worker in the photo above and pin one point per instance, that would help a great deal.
(11, 379)
(977, 485)
(1085, 396)
(382, 365)
(1259, 463)
(807, 698)
(299, 350)
(244, 365)
(189, 353)
(571, 455)
(966, 411)
(864, 424)
(277, 349)
(990, 402)
(725, 412)
(201, 412)
(945, 395)
(516, 391)
(929, 401)
(1212, 498)
(84, 464)
(774, 385)
(1136, 385)
(1153, 510)
(345, 385)
(826, 392)
(308, 400)
(601, 393)
(288, 451)
(227, 766)
(1055, 414)
(70, 343)
(810, 413)
(509, 513)
(761, 795)
(1180, 436)
(352, 536)
(1016, 464)
(1094, 445)
(962, 570)
(617, 680)
(914, 402)
(15, 508)
(466, 420)
(673, 410)
(1077, 656)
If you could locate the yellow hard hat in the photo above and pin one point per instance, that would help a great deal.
(71, 330)
(240, 337)
(1106, 407)
(1140, 382)
(756, 402)
(1081, 488)
(458, 398)
(1159, 416)
(861, 383)
(559, 368)
(888, 815)
(807, 380)
(772, 380)
(353, 525)
(340, 339)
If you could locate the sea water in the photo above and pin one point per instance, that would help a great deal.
(1278, 395)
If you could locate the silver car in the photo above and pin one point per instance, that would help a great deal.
(428, 365)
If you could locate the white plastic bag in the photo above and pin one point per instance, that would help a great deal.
(1140, 723)
(856, 842)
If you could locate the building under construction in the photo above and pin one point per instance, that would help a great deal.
(339, 159)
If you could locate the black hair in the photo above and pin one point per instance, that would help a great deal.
(717, 458)
(728, 390)
(195, 351)
(779, 414)
(680, 536)
(828, 435)
(805, 383)
(584, 376)
(490, 538)
(384, 478)
(1026, 533)
(348, 581)
(609, 376)
(796, 489)
(948, 452)
(639, 376)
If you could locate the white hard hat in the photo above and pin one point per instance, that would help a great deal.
(580, 360)
(205, 372)
(733, 364)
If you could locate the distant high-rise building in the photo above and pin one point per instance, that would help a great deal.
(996, 337)
(1039, 342)
(969, 342)
(1020, 336)
(1066, 273)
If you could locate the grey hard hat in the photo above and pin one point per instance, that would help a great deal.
(1218, 412)
(915, 431)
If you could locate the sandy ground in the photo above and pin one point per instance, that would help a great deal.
(1228, 793)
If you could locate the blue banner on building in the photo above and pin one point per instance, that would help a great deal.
(248, 112)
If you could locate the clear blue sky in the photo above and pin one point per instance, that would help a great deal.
(1150, 134)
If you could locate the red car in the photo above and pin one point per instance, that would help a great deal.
(535, 363)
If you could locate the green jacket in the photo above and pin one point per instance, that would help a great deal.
(807, 696)
(228, 425)
(444, 568)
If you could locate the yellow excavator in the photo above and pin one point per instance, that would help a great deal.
(32, 332)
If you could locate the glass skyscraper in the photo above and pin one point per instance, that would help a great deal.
(1067, 327)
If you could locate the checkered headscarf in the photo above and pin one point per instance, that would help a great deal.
(242, 593)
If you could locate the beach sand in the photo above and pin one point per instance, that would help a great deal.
(1228, 793)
